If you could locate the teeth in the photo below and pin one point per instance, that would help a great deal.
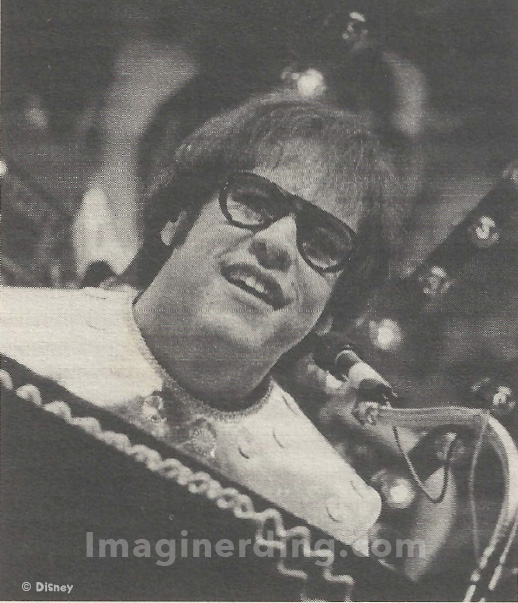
(253, 283)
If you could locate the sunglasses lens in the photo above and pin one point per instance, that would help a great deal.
(325, 246)
(249, 203)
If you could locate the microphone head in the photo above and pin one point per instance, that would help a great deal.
(327, 349)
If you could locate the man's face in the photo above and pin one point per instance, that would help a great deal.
(250, 289)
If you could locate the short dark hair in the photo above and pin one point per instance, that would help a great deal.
(255, 135)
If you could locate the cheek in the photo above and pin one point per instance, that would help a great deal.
(314, 297)
(304, 316)
(211, 235)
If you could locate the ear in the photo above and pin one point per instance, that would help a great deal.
(168, 232)
(324, 323)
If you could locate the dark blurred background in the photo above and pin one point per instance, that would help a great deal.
(91, 88)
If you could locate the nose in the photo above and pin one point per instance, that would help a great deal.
(275, 247)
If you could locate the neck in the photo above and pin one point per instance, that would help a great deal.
(210, 369)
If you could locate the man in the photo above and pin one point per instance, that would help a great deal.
(272, 224)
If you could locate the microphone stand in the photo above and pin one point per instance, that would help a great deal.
(499, 439)
(477, 234)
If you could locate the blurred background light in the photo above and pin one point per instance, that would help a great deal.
(397, 492)
(311, 84)
(386, 334)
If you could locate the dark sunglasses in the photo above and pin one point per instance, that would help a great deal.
(253, 202)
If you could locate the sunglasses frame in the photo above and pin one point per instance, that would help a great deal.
(293, 204)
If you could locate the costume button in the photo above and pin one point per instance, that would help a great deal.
(95, 322)
(246, 443)
(337, 509)
(281, 436)
(359, 486)
(153, 408)
(203, 438)
(96, 292)
(292, 406)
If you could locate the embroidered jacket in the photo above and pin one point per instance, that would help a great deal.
(87, 341)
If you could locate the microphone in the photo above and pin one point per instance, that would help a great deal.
(338, 357)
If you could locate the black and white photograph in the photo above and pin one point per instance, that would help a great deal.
(259, 302)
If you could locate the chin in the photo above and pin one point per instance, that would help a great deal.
(243, 331)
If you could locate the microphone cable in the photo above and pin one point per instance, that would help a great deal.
(471, 485)
(418, 481)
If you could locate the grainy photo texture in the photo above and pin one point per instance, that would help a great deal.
(259, 310)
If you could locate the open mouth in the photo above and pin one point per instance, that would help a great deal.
(254, 282)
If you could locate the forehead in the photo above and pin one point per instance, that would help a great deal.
(301, 169)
